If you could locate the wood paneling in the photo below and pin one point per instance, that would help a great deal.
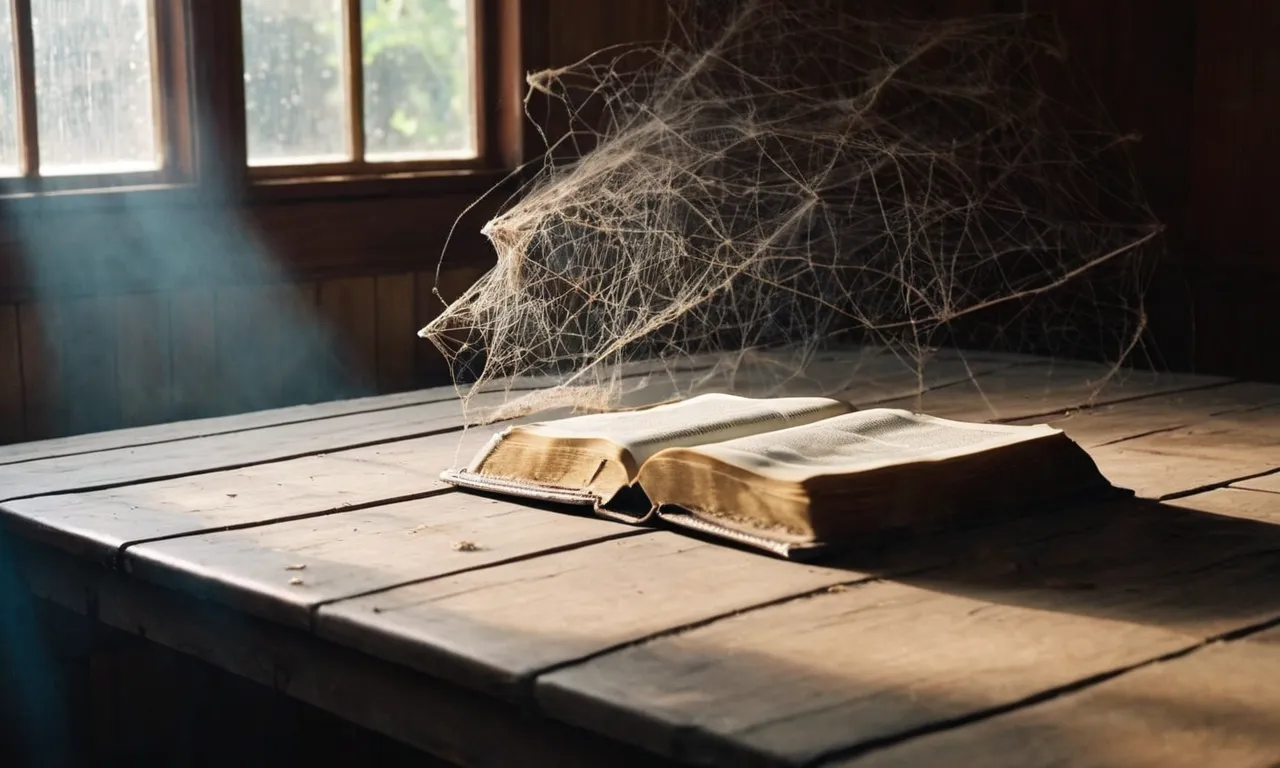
(143, 360)
(39, 334)
(95, 363)
(349, 307)
(193, 348)
(397, 332)
(12, 427)
(1236, 161)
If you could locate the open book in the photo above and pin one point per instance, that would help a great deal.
(789, 475)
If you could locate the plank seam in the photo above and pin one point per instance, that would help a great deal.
(313, 610)
(232, 467)
(1216, 486)
(528, 683)
(218, 433)
(117, 559)
(1207, 418)
(1088, 406)
(364, 411)
(891, 573)
(873, 745)
(1250, 408)
(1252, 490)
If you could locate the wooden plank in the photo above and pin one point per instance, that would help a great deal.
(97, 524)
(1158, 475)
(298, 352)
(349, 305)
(1235, 502)
(1232, 437)
(458, 725)
(89, 365)
(284, 570)
(1117, 422)
(243, 353)
(1216, 706)
(218, 425)
(494, 629)
(1214, 452)
(397, 332)
(41, 370)
(12, 427)
(1267, 483)
(143, 359)
(1034, 390)
(225, 451)
(284, 324)
(808, 678)
(194, 329)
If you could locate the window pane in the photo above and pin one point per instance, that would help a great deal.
(10, 151)
(295, 97)
(419, 97)
(94, 104)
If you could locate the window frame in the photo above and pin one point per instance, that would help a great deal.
(353, 72)
(316, 226)
(170, 100)
(198, 93)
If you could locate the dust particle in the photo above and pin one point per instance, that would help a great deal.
(295, 581)
(466, 546)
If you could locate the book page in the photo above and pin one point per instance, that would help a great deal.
(865, 440)
(696, 421)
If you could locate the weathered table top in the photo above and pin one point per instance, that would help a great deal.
(315, 550)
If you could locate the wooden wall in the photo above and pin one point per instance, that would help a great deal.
(91, 363)
(1194, 77)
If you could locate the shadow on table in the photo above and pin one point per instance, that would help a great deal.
(1025, 614)
(1167, 564)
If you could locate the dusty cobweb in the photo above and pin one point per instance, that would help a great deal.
(776, 179)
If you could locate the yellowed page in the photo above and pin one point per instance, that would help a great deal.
(862, 441)
(696, 421)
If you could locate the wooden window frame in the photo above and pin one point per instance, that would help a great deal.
(358, 166)
(197, 48)
(315, 225)
(170, 99)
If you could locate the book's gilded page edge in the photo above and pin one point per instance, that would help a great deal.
(790, 550)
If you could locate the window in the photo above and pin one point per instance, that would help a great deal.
(79, 90)
(358, 82)
(100, 93)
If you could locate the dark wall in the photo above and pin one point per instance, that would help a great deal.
(1197, 80)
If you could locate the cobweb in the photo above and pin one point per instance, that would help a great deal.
(776, 178)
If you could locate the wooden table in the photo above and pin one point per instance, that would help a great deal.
(314, 550)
